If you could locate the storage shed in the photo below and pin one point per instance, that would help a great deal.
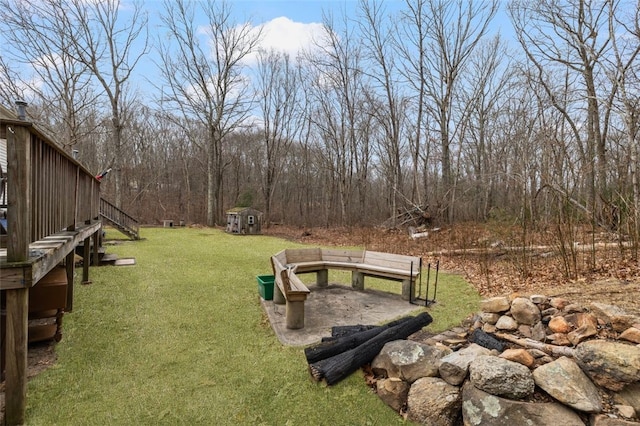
(244, 220)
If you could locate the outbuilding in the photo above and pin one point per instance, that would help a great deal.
(244, 220)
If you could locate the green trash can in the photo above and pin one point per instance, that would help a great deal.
(265, 286)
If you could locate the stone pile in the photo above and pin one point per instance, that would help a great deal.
(521, 360)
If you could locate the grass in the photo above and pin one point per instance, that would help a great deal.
(180, 339)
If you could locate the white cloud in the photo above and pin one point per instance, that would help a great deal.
(287, 36)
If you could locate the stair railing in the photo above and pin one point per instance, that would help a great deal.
(121, 220)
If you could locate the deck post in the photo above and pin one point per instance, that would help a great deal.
(86, 260)
(16, 365)
(70, 265)
(19, 224)
(96, 246)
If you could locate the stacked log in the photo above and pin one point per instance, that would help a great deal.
(336, 359)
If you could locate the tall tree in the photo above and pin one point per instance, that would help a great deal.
(277, 84)
(624, 74)
(411, 42)
(202, 76)
(452, 31)
(571, 37)
(110, 41)
(390, 105)
(339, 82)
(42, 34)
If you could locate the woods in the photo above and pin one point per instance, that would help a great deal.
(478, 110)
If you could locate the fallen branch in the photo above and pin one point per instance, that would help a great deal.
(534, 344)
(500, 251)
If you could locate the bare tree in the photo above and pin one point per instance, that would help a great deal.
(336, 73)
(486, 81)
(411, 44)
(571, 35)
(451, 30)
(10, 90)
(203, 79)
(277, 84)
(110, 43)
(624, 75)
(42, 35)
(389, 106)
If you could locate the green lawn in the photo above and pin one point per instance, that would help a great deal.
(180, 338)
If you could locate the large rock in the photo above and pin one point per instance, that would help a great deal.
(521, 356)
(506, 323)
(481, 408)
(559, 325)
(501, 377)
(495, 305)
(581, 334)
(564, 380)
(525, 311)
(604, 420)
(617, 317)
(455, 366)
(631, 334)
(630, 395)
(489, 317)
(538, 332)
(611, 365)
(407, 360)
(393, 392)
(434, 402)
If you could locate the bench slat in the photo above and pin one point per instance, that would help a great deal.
(333, 255)
(389, 260)
(303, 255)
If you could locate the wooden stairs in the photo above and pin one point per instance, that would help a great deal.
(119, 219)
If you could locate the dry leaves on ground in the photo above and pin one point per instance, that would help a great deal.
(490, 260)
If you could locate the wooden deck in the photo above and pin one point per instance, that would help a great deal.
(43, 256)
(52, 204)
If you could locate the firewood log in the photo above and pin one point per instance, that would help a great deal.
(337, 367)
(333, 346)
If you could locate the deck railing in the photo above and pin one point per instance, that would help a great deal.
(120, 219)
(63, 194)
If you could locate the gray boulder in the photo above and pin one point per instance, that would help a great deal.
(564, 380)
(393, 392)
(501, 377)
(455, 366)
(434, 402)
(630, 395)
(481, 408)
(617, 317)
(407, 360)
(495, 304)
(612, 365)
(525, 311)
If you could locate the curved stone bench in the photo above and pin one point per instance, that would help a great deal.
(291, 291)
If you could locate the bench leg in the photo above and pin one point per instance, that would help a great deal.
(295, 315)
(278, 297)
(357, 280)
(322, 278)
(406, 290)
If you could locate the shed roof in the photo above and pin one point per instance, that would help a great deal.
(241, 209)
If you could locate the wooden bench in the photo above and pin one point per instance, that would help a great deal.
(290, 290)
